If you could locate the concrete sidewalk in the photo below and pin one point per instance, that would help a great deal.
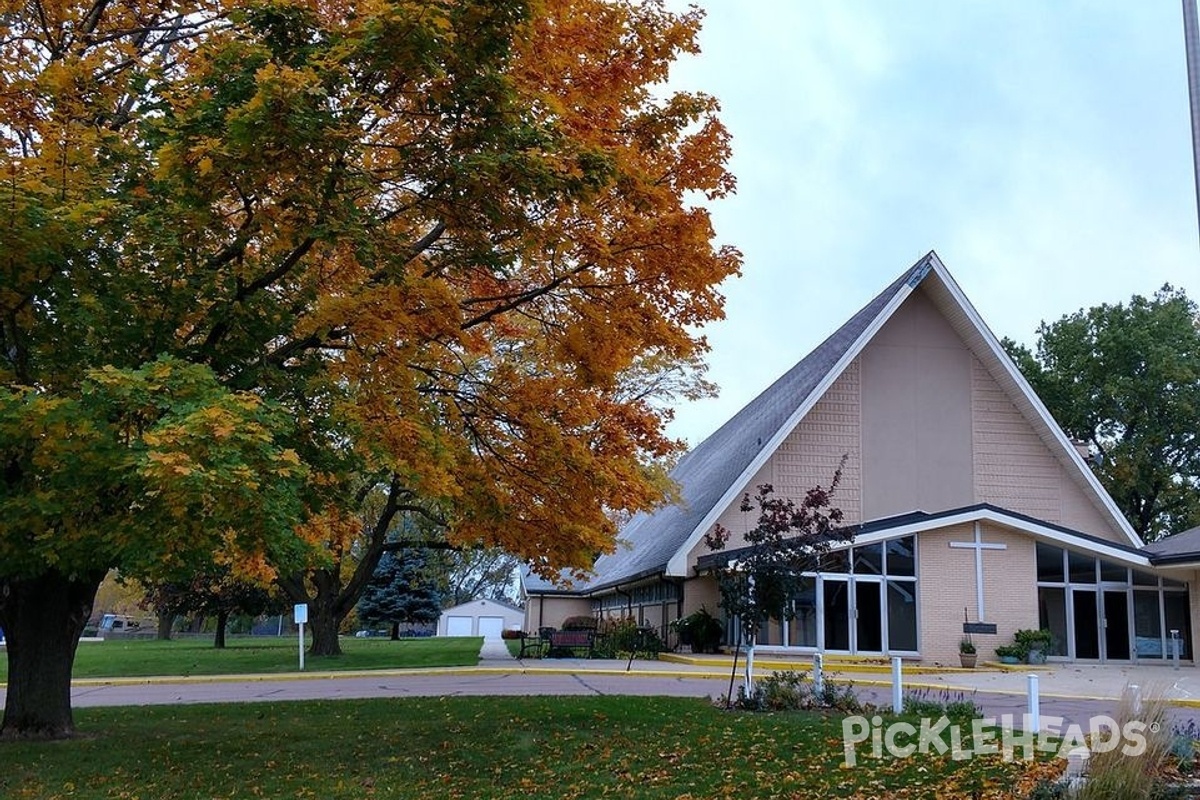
(1081, 682)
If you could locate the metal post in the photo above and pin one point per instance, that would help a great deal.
(1175, 646)
(748, 681)
(897, 687)
(1035, 709)
(1191, 39)
(302, 647)
(1135, 695)
(818, 674)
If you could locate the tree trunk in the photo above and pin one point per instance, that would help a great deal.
(43, 619)
(395, 631)
(222, 622)
(323, 621)
(166, 621)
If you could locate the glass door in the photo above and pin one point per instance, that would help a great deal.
(835, 616)
(1086, 620)
(868, 616)
(1115, 625)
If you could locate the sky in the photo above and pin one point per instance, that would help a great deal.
(1042, 148)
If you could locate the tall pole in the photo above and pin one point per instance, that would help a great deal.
(1191, 37)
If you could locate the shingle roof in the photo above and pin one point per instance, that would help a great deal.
(1184, 546)
(706, 473)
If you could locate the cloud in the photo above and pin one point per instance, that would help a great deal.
(1043, 150)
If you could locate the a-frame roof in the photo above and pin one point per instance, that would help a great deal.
(717, 471)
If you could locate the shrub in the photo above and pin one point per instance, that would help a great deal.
(955, 705)
(1010, 651)
(1048, 790)
(617, 638)
(580, 623)
(795, 691)
(701, 630)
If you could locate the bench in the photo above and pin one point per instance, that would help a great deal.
(569, 642)
(531, 646)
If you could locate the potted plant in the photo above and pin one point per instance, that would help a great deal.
(1034, 644)
(1009, 653)
(966, 653)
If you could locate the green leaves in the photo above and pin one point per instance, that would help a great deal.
(142, 469)
(1125, 379)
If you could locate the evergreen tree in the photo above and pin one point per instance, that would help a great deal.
(401, 590)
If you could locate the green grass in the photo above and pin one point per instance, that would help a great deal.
(536, 747)
(139, 658)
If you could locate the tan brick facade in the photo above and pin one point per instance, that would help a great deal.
(1014, 469)
(808, 457)
(946, 578)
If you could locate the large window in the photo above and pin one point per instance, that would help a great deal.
(1100, 609)
(863, 600)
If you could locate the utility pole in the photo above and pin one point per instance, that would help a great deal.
(1191, 37)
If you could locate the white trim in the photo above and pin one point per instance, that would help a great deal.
(979, 545)
(1027, 391)
(677, 566)
(999, 518)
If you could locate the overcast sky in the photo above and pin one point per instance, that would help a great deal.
(1042, 148)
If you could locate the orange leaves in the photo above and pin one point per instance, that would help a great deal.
(428, 245)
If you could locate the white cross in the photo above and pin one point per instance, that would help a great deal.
(979, 546)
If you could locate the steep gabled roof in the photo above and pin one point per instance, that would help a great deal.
(718, 470)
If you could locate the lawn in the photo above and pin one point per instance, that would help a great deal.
(536, 747)
(139, 658)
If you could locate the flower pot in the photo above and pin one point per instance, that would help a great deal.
(968, 659)
(1009, 660)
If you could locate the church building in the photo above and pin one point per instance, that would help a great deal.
(968, 502)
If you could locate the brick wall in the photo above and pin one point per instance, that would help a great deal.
(807, 458)
(1014, 468)
(947, 586)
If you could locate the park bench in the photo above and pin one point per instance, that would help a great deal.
(569, 642)
(532, 646)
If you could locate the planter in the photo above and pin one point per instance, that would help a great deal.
(1009, 660)
(968, 659)
(1036, 657)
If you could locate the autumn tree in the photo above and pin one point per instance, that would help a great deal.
(278, 271)
(214, 591)
(1125, 379)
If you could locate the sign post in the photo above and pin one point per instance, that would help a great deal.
(300, 612)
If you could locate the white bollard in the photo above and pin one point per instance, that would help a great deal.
(748, 676)
(818, 674)
(1077, 763)
(1035, 712)
(1135, 695)
(1175, 646)
(897, 687)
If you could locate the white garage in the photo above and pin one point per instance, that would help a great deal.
(486, 618)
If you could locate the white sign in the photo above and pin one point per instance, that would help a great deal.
(301, 613)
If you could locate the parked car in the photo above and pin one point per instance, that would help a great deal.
(120, 625)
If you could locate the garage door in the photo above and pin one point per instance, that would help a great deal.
(458, 626)
(491, 627)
